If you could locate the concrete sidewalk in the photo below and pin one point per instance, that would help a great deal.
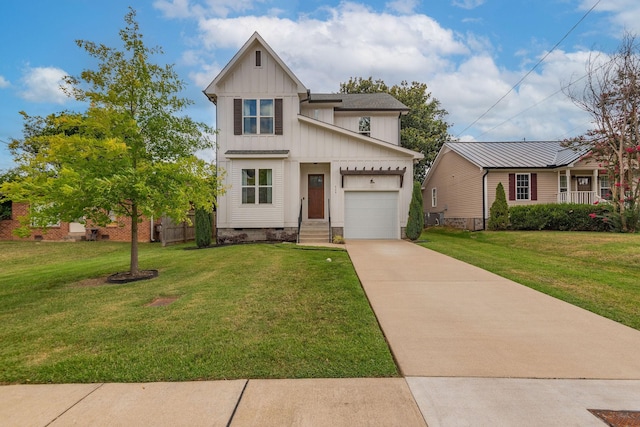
(304, 402)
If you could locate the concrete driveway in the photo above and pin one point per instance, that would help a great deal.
(446, 318)
(480, 350)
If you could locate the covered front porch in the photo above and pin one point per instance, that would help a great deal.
(583, 186)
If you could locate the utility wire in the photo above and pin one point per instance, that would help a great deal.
(531, 70)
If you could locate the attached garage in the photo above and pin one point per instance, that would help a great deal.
(371, 215)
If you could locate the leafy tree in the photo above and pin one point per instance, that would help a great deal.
(415, 223)
(129, 154)
(611, 95)
(499, 211)
(5, 204)
(203, 227)
(423, 129)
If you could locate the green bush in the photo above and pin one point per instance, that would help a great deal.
(203, 227)
(499, 212)
(561, 217)
(415, 223)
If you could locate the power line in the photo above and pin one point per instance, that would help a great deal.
(531, 70)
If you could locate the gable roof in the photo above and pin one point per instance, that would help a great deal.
(521, 154)
(255, 38)
(360, 101)
(382, 144)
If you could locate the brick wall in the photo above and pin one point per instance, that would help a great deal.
(112, 232)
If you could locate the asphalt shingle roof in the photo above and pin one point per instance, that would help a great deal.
(522, 154)
(361, 101)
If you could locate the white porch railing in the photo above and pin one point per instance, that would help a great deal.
(581, 197)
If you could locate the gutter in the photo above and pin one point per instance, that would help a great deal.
(484, 199)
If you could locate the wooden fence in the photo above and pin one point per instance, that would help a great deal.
(182, 232)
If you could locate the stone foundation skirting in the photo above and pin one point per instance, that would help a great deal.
(232, 235)
(472, 224)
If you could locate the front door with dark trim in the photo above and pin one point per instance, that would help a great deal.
(316, 196)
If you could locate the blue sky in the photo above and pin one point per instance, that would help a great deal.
(468, 52)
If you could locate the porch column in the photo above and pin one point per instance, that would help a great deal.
(569, 189)
(595, 186)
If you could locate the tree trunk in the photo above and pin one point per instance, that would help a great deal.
(133, 269)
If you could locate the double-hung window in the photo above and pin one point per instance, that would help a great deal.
(257, 116)
(258, 181)
(434, 197)
(563, 183)
(522, 186)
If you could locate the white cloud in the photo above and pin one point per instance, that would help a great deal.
(623, 14)
(348, 43)
(4, 83)
(468, 4)
(42, 84)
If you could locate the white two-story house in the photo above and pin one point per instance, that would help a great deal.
(293, 160)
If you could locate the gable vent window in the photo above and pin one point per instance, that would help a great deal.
(258, 58)
(364, 126)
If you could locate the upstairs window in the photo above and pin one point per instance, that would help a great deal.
(257, 116)
(258, 58)
(258, 181)
(434, 197)
(364, 126)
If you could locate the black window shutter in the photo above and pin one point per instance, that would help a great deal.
(512, 186)
(237, 116)
(278, 116)
(534, 186)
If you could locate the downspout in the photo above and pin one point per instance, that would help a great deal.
(484, 199)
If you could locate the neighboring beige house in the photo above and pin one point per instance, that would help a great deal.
(297, 164)
(460, 187)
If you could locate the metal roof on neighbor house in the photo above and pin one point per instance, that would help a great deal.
(360, 101)
(522, 154)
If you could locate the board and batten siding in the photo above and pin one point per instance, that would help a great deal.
(458, 183)
(384, 126)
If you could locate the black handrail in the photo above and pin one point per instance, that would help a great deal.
(299, 221)
(329, 212)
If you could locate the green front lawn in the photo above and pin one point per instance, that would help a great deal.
(247, 311)
(596, 271)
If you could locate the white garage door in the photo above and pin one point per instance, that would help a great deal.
(371, 215)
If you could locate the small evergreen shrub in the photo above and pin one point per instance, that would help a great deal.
(499, 211)
(415, 223)
(203, 227)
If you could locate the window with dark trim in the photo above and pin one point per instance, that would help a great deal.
(258, 58)
(257, 116)
(523, 186)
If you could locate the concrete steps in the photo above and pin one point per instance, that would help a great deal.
(314, 232)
